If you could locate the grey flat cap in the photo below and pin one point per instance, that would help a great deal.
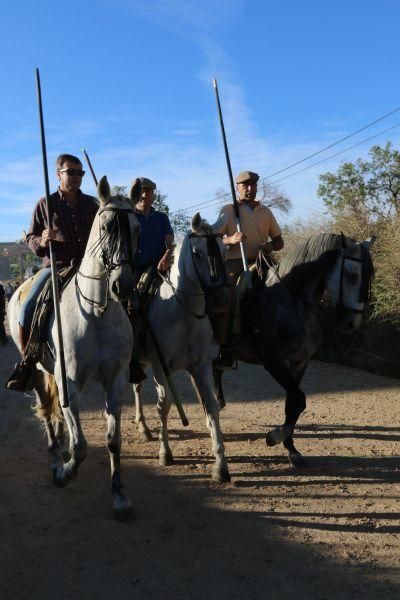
(245, 176)
(147, 183)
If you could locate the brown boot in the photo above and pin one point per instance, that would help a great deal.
(21, 379)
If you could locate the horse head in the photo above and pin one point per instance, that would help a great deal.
(114, 236)
(349, 282)
(206, 262)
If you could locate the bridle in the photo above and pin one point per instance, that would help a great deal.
(365, 286)
(118, 232)
(216, 270)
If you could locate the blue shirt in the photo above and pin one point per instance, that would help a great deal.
(151, 246)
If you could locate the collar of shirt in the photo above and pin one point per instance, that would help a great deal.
(143, 216)
(62, 196)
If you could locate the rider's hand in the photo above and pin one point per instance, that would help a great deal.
(47, 235)
(268, 247)
(236, 238)
(165, 262)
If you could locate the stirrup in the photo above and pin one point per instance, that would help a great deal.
(224, 361)
(21, 379)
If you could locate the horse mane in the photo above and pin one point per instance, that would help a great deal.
(306, 262)
(309, 250)
(302, 268)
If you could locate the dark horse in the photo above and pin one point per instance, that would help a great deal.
(280, 326)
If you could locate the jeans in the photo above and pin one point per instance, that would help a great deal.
(28, 307)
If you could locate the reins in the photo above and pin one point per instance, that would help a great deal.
(120, 231)
(213, 274)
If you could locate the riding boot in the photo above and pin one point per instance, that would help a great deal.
(225, 359)
(20, 379)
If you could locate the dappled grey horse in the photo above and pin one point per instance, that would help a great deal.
(97, 338)
(178, 315)
(280, 326)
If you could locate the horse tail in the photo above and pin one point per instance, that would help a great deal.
(49, 406)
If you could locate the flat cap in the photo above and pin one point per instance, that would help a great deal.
(245, 176)
(147, 183)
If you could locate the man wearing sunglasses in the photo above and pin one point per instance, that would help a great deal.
(73, 213)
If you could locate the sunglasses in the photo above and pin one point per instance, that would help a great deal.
(78, 172)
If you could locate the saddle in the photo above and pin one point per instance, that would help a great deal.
(43, 310)
(228, 325)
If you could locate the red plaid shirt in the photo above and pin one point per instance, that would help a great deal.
(72, 225)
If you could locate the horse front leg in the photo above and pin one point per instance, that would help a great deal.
(144, 431)
(295, 404)
(122, 506)
(201, 379)
(77, 442)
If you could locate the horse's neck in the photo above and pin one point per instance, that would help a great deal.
(93, 285)
(187, 288)
(304, 283)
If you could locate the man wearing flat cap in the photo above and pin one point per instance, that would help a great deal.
(156, 235)
(259, 230)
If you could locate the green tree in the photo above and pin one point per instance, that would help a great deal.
(365, 188)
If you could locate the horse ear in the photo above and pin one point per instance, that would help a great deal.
(369, 242)
(343, 238)
(196, 222)
(103, 190)
(135, 191)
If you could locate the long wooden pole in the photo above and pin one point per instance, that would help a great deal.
(54, 280)
(233, 191)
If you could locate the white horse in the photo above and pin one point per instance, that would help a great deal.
(178, 315)
(97, 337)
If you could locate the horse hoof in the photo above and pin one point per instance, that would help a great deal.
(166, 460)
(123, 510)
(145, 435)
(297, 460)
(221, 475)
(274, 437)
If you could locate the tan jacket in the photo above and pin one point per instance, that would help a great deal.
(258, 225)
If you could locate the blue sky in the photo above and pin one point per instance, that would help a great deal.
(131, 81)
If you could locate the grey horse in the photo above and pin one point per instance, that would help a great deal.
(97, 338)
(280, 325)
(178, 314)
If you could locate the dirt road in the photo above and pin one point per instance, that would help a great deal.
(330, 530)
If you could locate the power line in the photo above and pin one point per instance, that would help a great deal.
(332, 145)
(212, 202)
(337, 153)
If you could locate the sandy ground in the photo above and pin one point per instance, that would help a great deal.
(330, 530)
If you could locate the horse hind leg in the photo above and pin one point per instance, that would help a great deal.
(203, 388)
(49, 411)
(122, 506)
(165, 455)
(217, 375)
(144, 432)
